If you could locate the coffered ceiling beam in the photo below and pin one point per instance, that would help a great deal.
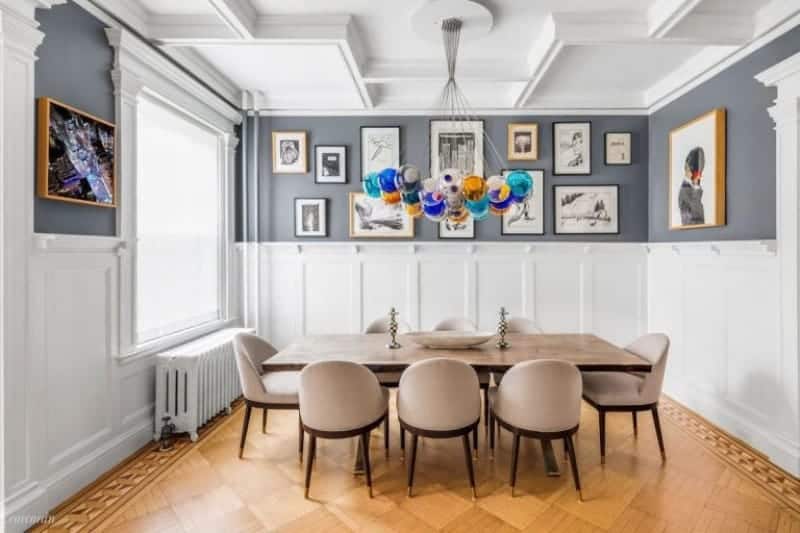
(664, 15)
(434, 70)
(238, 15)
(544, 52)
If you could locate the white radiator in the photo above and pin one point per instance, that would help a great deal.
(196, 381)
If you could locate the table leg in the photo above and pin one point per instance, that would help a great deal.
(550, 462)
(358, 464)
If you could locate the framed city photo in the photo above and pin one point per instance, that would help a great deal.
(331, 164)
(523, 142)
(461, 230)
(75, 156)
(457, 144)
(311, 217)
(289, 152)
(572, 148)
(380, 148)
(618, 148)
(586, 209)
(373, 218)
(697, 172)
(526, 218)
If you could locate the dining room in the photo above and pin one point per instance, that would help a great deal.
(445, 265)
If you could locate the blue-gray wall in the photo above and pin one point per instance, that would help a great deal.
(750, 147)
(74, 67)
(279, 191)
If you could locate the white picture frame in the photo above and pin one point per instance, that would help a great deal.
(586, 209)
(456, 144)
(572, 148)
(372, 218)
(310, 217)
(380, 148)
(330, 164)
(526, 218)
(618, 148)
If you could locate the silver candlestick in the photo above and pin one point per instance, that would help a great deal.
(502, 329)
(393, 329)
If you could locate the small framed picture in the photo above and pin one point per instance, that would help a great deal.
(289, 152)
(618, 148)
(373, 218)
(463, 230)
(586, 209)
(311, 217)
(331, 164)
(526, 218)
(380, 148)
(572, 148)
(523, 142)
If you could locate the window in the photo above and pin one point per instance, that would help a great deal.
(180, 191)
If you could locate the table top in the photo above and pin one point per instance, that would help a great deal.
(587, 352)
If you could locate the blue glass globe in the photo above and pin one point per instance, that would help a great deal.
(371, 185)
(386, 178)
(520, 182)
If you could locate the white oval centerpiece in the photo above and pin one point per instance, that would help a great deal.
(453, 340)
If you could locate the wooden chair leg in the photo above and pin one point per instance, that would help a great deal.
(514, 459)
(659, 436)
(365, 457)
(491, 435)
(475, 440)
(300, 436)
(574, 462)
(635, 424)
(412, 463)
(245, 423)
(602, 436)
(402, 443)
(386, 434)
(486, 406)
(312, 451)
(264, 420)
(465, 440)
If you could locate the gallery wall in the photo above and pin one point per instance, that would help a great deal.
(277, 192)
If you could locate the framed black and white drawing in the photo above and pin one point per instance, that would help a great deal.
(586, 209)
(526, 218)
(380, 148)
(618, 148)
(572, 148)
(373, 218)
(331, 164)
(457, 230)
(523, 142)
(289, 152)
(457, 144)
(311, 217)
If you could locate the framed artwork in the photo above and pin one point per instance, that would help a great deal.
(618, 148)
(457, 144)
(572, 148)
(463, 230)
(697, 172)
(523, 142)
(331, 164)
(380, 148)
(586, 209)
(310, 217)
(372, 218)
(75, 156)
(289, 152)
(526, 218)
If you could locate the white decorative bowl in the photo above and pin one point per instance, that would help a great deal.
(451, 340)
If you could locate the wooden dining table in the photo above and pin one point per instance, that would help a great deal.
(588, 352)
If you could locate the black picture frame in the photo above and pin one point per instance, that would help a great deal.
(323, 220)
(544, 206)
(555, 145)
(588, 186)
(345, 178)
(605, 148)
(361, 145)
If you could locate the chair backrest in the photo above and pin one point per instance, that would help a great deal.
(439, 395)
(251, 351)
(655, 349)
(542, 395)
(339, 396)
(381, 325)
(523, 325)
(455, 324)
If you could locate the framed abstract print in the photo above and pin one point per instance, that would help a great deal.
(586, 209)
(311, 217)
(697, 172)
(373, 218)
(457, 230)
(572, 148)
(526, 218)
(380, 148)
(457, 144)
(330, 164)
(618, 148)
(289, 152)
(523, 142)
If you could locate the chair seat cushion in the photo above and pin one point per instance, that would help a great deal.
(613, 388)
(281, 387)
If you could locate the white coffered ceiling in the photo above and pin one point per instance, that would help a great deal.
(366, 55)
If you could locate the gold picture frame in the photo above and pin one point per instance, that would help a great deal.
(289, 152)
(523, 141)
(382, 218)
(697, 193)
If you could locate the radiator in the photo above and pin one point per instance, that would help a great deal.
(196, 381)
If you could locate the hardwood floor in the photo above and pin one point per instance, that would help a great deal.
(710, 483)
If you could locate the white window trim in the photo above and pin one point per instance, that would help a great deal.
(140, 72)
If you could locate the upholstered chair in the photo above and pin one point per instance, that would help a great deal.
(541, 400)
(523, 325)
(630, 393)
(270, 390)
(439, 398)
(381, 325)
(338, 400)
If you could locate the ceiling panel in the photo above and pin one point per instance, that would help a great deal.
(177, 7)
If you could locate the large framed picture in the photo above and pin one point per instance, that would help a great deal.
(380, 148)
(331, 164)
(289, 152)
(618, 148)
(586, 209)
(697, 172)
(572, 148)
(459, 230)
(523, 142)
(457, 144)
(373, 218)
(75, 159)
(311, 217)
(526, 218)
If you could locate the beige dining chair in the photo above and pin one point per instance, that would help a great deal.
(439, 398)
(338, 400)
(270, 390)
(630, 393)
(518, 325)
(381, 325)
(541, 400)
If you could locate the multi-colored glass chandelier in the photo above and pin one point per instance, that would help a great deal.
(453, 194)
